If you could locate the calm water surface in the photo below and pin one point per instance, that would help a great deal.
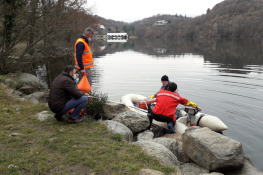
(224, 78)
(228, 91)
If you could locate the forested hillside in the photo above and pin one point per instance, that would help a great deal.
(230, 18)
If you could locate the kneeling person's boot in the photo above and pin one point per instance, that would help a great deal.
(58, 117)
(75, 121)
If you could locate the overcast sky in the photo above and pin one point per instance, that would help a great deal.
(132, 10)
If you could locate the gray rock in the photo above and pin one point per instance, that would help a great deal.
(118, 128)
(133, 120)
(36, 97)
(44, 115)
(26, 79)
(168, 143)
(149, 172)
(248, 169)
(180, 154)
(27, 90)
(213, 173)
(212, 150)
(112, 109)
(159, 152)
(38, 56)
(10, 83)
(17, 93)
(145, 136)
(192, 169)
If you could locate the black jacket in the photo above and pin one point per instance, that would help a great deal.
(162, 87)
(62, 89)
(80, 47)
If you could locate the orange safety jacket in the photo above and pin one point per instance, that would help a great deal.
(87, 55)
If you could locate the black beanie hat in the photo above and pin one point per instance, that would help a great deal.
(165, 78)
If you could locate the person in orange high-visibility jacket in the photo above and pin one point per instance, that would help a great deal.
(166, 103)
(83, 55)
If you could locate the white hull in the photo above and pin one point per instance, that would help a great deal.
(212, 122)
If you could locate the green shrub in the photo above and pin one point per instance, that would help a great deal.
(94, 107)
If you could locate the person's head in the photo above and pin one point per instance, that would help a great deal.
(164, 79)
(88, 33)
(70, 70)
(172, 87)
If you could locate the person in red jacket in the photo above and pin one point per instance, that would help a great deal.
(166, 103)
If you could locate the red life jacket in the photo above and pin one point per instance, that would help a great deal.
(166, 103)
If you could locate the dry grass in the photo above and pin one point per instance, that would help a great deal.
(52, 147)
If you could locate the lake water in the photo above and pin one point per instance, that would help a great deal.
(224, 78)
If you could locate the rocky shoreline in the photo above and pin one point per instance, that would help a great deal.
(197, 151)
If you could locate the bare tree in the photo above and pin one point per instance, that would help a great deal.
(42, 24)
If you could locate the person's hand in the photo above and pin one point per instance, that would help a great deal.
(83, 72)
(191, 104)
(152, 96)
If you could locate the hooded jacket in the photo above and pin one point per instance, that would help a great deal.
(166, 103)
(62, 89)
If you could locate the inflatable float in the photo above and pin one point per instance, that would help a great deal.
(138, 103)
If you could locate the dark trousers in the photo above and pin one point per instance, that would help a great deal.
(78, 104)
(162, 118)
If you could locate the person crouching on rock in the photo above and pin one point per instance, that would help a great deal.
(166, 103)
(64, 96)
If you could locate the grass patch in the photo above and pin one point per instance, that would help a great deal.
(3, 78)
(52, 147)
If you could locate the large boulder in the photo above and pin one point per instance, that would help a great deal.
(10, 83)
(112, 109)
(180, 154)
(36, 97)
(133, 120)
(192, 169)
(248, 169)
(159, 152)
(145, 136)
(168, 143)
(119, 128)
(26, 79)
(27, 90)
(212, 150)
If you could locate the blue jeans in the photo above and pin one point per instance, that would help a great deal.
(78, 104)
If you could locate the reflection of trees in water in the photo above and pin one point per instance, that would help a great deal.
(233, 56)
(237, 53)
(228, 54)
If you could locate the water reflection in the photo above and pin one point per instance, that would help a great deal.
(228, 56)
(233, 56)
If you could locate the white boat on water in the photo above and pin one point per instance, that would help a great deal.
(201, 119)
